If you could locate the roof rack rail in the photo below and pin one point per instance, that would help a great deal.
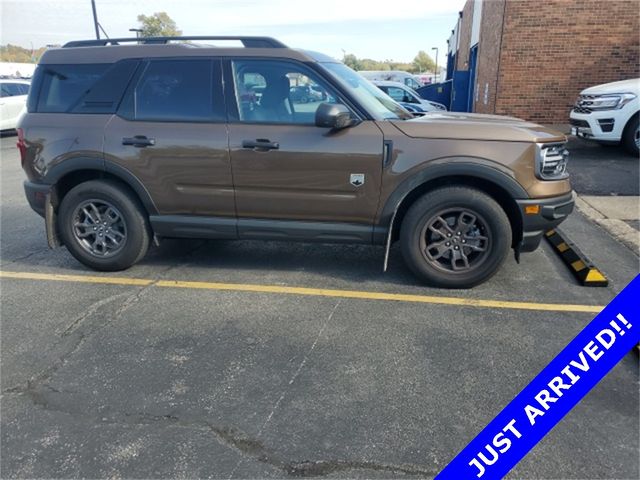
(248, 42)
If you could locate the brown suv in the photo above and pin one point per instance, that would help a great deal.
(130, 140)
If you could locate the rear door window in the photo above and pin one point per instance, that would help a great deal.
(177, 91)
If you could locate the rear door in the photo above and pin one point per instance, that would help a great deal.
(170, 133)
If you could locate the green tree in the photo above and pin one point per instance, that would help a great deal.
(159, 24)
(423, 62)
(350, 60)
(15, 53)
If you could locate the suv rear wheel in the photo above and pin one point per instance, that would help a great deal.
(103, 225)
(455, 237)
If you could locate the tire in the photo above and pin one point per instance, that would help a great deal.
(485, 244)
(631, 136)
(119, 244)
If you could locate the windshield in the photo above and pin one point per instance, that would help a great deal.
(378, 103)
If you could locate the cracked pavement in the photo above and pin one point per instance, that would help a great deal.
(141, 382)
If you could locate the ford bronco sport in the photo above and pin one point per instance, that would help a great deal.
(130, 140)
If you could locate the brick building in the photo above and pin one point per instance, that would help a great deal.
(531, 58)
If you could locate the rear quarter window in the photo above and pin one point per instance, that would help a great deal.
(62, 86)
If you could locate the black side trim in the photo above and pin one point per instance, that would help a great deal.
(188, 226)
(293, 230)
(433, 172)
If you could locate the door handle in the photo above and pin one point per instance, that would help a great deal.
(261, 144)
(139, 141)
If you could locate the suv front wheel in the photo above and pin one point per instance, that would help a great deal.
(103, 225)
(631, 136)
(455, 237)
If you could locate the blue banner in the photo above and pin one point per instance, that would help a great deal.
(555, 391)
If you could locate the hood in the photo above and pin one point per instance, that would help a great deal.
(624, 86)
(474, 126)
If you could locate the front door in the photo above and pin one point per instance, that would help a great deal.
(287, 169)
(170, 133)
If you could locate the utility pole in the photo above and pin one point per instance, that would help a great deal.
(95, 18)
(435, 76)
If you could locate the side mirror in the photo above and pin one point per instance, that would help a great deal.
(333, 115)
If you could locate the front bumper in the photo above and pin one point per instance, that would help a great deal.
(37, 196)
(551, 212)
(603, 126)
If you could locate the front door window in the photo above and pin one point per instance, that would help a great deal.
(271, 91)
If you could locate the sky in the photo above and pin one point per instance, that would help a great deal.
(378, 30)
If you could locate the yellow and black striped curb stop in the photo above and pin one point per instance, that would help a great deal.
(581, 267)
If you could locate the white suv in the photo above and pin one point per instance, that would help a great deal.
(13, 99)
(608, 113)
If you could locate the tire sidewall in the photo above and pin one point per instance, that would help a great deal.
(425, 208)
(629, 140)
(137, 239)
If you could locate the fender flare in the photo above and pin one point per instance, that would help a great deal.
(383, 233)
(100, 165)
(434, 172)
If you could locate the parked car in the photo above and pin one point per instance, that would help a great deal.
(406, 95)
(13, 99)
(141, 137)
(609, 113)
(405, 78)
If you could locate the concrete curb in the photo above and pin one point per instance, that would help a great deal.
(617, 228)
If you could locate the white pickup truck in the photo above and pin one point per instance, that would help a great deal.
(608, 113)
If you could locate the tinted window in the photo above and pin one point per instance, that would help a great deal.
(64, 85)
(13, 89)
(175, 90)
(274, 91)
(105, 94)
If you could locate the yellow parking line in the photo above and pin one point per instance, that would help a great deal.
(318, 292)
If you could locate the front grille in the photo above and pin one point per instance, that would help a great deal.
(552, 161)
(578, 123)
(583, 103)
(578, 109)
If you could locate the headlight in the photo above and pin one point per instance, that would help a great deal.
(604, 102)
(551, 161)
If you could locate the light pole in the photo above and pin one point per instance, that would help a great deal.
(436, 72)
(95, 18)
(137, 30)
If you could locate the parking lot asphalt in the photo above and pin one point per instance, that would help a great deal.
(603, 170)
(145, 373)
